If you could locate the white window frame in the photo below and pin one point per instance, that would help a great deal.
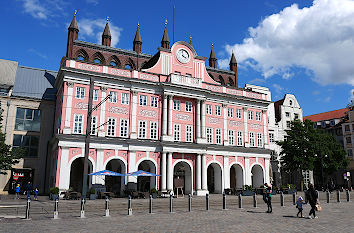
(217, 110)
(124, 128)
(95, 95)
(154, 101)
(239, 113)
(154, 128)
(176, 105)
(230, 112)
(78, 124)
(209, 135)
(111, 128)
(250, 115)
(113, 97)
(252, 139)
(231, 137)
(258, 116)
(288, 124)
(209, 109)
(218, 138)
(142, 100)
(80, 93)
(189, 133)
(93, 125)
(177, 132)
(259, 140)
(271, 137)
(142, 129)
(189, 106)
(125, 98)
(239, 138)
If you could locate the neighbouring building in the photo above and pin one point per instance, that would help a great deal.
(27, 99)
(348, 134)
(166, 113)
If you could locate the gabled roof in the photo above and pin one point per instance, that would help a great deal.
(277, 109)
(336, 114)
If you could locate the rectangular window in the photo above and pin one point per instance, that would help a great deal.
(218, 110)
(125, 98)
(95, 95)
(239, 113)
(296, 116)
(252, 139)
(250, 115)
(230, 112)
(153, 130)
(231, 138)
(154, 101)
(288, 124)
(218, 136)
(350, 153)
(124, 128)
(142, 129)
(259, 140)
(28, 142)
(113, 97)
(271, 137)
(209, 109)
(177, 132)
(287, 114)
(349, 139)
(239, 138)
(188, 106)
(209, 135)
(28, 119)
(143, 100)
(94, 125)
(111, 127)
(78, 121)
(189, 133)
(347, 128)
(258, 116)
(80, 93)
(176, 105)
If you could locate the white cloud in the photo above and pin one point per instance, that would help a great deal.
(316, 92)
(44, 9)
(93, 28)
(278, 89)
(94, 2)
(35, 8)
(318, 38)
(32, 50)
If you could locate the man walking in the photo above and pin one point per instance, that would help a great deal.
(29, 188)
(268, 192)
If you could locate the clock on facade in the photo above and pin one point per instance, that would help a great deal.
(183, 55)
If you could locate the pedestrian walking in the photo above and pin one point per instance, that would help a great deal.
(268, 197)
(312, 198)
(36, 191)
(28, 189)
(300, 201)
(17, 191)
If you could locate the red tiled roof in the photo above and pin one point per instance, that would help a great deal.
(336, 114)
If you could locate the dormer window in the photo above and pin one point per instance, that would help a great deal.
(97, 61)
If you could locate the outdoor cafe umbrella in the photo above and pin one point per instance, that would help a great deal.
(105, 173)
(141, 173)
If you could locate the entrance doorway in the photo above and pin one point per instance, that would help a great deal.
(236, 176)
(146, 183)
(77, 172)
(214, 178)
(182, 176)
(115, 184)
(257, 176)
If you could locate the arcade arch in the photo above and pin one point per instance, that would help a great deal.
(236, 176)
(257, 176)
(182, 176)
(146, 183)
(214, 178)
(115, 184)
(76, 174)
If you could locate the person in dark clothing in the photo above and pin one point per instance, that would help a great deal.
(28, 189)
(312, 198)
(268, 192)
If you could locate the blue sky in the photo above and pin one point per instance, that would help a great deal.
(301, 47)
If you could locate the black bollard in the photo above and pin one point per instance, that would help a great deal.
(28, 206)
(56, 205)
(82, 208)
(223, 201)
(348, 195)
(294, 198)
(338, 196)
(171, 203)
(328, 197)
(130, 210)
(107, 206)
(150, 205)
(240, 201)
(254, 200)
(281, 199)
(189, 202)
(207, 201)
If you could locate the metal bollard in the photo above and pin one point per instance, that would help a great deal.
(130, 210)
(150, 205)
(189, 202)
(82, 209)
(294, 198)
(207, 201)
(338, 196)
(56, 205)
(254, 200)
(28, 206)
(224, 201)
(171, 203)
(348, 195)
(240, 201)
(281, 199)
(107, 206)
(328, 196)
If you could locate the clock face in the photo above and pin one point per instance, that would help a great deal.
(183, 55)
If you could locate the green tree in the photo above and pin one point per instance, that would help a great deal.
(8, 156)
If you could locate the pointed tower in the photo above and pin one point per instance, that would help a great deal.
(212, 57)
(190, 41)
(165, 41)
(106, 35)
(73, 34)
(137, 43)
(233, 67)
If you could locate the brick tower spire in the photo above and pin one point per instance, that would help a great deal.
(106, 35)
(212, 57)
(137, 43)
(73, 34)
(165, 42)
(233, 67)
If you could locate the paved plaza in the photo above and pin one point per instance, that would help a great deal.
(335, 217)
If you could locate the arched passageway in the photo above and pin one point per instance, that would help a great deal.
(182, 177)
(76, 174)
(115, 184)
(146, 183)
(236, 176)
(257, 176)
(214, 178)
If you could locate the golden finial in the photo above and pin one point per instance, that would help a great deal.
(75, 12)
(138, 24)
(165, 22)
(212, 45)
(107, 18)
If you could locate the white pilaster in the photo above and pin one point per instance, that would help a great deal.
(131, 166)
(170, 108)
(64, 173)
(203, 118)
(248, 174)
(226, 138)
(69, 101)
(198, 174)
(226, 173)
(99, 166)
(164, 118)
(198, 119)
(101, 132)
(245, 120)
(204, 174)
(265, 126)
(163, 171)
(266, 171)
(169, 172)
(133, 134)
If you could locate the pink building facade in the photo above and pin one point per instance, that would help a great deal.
(169, 116)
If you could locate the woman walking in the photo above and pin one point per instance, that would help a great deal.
(312, 198)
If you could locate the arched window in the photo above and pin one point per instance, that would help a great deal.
(81, 55)
(231, 82)
(113, 63)
(221, 79)
(80, 58)
(128, 67)
(97, 61)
